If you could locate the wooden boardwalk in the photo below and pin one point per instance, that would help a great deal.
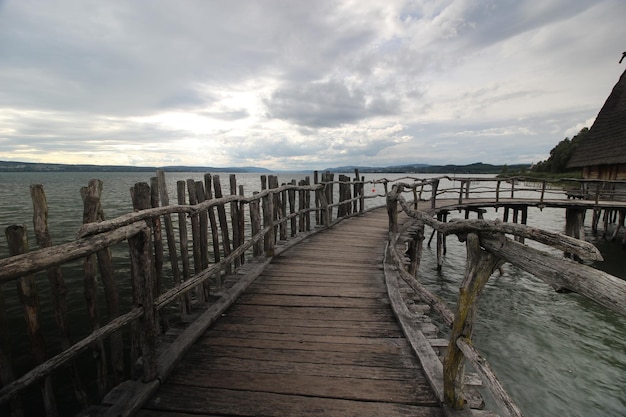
(313, 335)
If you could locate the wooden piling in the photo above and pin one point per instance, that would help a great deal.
(159, 252)
(184, 245)
(221, 214)
(480, 266)
(143, 278)
(234, 216)
(91, 213)
(204, 239)
(59, 292)
(192, 193)
(27, 292)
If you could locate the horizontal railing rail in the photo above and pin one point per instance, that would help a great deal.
(487, 248)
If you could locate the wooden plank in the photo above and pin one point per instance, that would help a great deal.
(327, 345)
(320, 301)
(225, 363)
(409, 391)
(311, 313)
(267, 326)
(318, 291)
(379, 342)
(297, 355)
(228, 402)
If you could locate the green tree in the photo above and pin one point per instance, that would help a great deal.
(561, 154)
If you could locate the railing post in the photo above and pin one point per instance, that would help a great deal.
(318, 214)
(59, 290)
(91, 213)
(307, 204)
(498, 191)
(480, 265)
(512, 187)
(433, 200)
(392, 210)
(268, 222)
(17, 241)
(255, 224)
(325, 213)
(543, 190)
(143, 285)
(461, 192)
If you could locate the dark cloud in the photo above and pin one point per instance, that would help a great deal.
(326, 104)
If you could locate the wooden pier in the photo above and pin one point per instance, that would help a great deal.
(306, 338)
(306, 306)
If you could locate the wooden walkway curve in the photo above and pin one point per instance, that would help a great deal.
(313, 335)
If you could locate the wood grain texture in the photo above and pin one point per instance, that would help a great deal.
(313, 335)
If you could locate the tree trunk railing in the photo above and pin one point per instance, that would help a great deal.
(487, 248)
(161, 274)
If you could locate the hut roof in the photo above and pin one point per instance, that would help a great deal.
(606, 141)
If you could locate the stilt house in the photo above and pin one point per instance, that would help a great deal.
(602, 154)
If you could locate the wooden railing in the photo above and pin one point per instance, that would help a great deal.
(499, 189)
(487, 247)
(179, 256)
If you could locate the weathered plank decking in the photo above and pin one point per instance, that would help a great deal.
(313, 335)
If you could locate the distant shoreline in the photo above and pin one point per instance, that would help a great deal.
(476, 168)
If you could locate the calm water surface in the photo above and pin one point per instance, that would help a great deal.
(557, 354)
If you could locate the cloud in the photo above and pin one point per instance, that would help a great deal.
(287, 84)
(326, 104)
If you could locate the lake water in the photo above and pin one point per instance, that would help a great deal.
(557, 354)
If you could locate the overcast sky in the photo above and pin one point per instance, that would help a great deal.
(302, 84)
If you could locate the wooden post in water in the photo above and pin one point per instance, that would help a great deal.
(283, 214)
(268, 222)
(17, 241)
(619, 225)
(255, 225)
(574, 225)
(242, 224)
(184, 245)
(301, 203)
(214, 229)
(442, 216)
(142, 271)
(204, 238)
(59, 291)
(221, 214)
(480, 266)
(91, 213)
(159, 252)
(195, 234)
(169, 228)
(356, 191)
(461, 189)
(498, 191)
(415, 249)
(291, 194)
(307, 205)
(234, 216)
(272, 183)
(318, 212)
(433, 200)
(14, 407)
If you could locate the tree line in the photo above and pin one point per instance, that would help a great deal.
(561, 154)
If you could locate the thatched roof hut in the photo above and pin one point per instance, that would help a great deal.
(602, 154)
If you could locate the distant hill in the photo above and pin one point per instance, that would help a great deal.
(475, 168)
(10, 166)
